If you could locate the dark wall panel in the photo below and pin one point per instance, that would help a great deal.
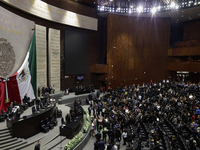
(192, 30)
(75, 53)
(136, 49)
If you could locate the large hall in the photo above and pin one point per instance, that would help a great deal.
(99, 74)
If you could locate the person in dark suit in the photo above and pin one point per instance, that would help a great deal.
(96, 146)
(37, 146)
(109, 146)
(89, 110)
(62, 121)
(90, 96)
(37, 101)
(104, 135)
(68, 118)
(38, 92)
(18, 113)
(98, 136)
(75, 103)
(43, 91)
(101, 145)
(26, 98)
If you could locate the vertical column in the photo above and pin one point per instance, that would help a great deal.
(41, 56)
(54, 59)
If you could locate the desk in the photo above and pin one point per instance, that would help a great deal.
(82, 92)
(72, 128)
(31, 124)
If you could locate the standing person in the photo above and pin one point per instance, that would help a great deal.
(115, 147)
(104, 134)
(37, 146)
(11, 107)
(98, 136)
(124, 134)
(18, 113)
(89, 110)
(101, 145)
(38, 92)
(109, 146)
(96, 146)
(92, 128)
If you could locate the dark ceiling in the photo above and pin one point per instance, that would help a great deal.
(188, 9)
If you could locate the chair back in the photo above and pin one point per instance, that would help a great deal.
(33, 109)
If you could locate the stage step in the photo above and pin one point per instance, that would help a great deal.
(15, 146)
(55, 143)
(5, 135)
(10, 143)
(5, 138)
(4, 131)
(7, 141)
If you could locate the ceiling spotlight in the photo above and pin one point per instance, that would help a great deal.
(172, 5)
(118, 9)
(159, 7)
(153, 10)
(131, 6)
(139, 9)
(177, 7)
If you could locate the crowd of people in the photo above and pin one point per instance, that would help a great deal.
(81, 88)
(121, 115)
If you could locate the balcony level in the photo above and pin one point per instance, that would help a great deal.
(184, 51)
(99, 69)
(181, 66)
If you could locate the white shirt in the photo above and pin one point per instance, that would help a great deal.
(191, 96)
(115, 147)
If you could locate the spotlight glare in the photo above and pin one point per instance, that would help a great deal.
(139, 9)
(159, 7)
(153, 10)
(172, 5)
(118, 9)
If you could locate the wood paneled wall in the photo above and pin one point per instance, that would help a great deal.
(137, 49)
(190, 67)
(184, 51)
(192, 30)
(99, 68)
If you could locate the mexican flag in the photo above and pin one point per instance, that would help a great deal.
(24, 80)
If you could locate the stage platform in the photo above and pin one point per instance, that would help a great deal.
(62, 98)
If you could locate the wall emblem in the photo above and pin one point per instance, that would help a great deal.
(7, 57)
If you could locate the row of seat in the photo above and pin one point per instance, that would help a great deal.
(48, 124)
(3, 116)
